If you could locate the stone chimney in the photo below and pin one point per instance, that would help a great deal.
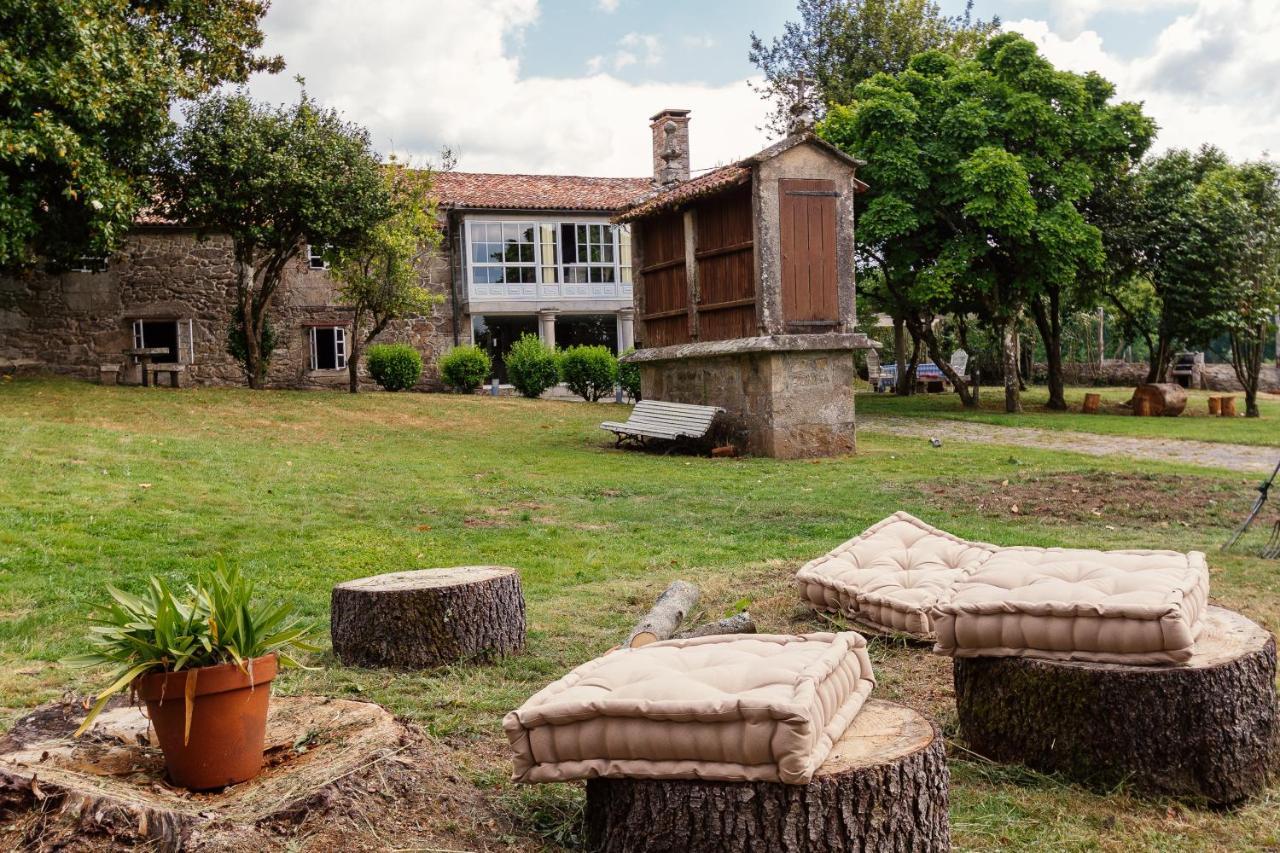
(670, 146)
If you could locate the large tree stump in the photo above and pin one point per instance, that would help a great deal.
(1203, 730)
(428, 617)
(885, 786)
(1166, 399)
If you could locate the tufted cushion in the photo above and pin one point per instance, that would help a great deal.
(735, 708)
(891, 576)
(1069, 604)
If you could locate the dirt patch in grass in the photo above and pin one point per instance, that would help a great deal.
(1093, 496)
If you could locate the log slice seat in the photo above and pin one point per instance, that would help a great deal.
(428, 617)
(1203, 729)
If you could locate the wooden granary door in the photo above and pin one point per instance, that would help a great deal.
(807, 222)
(665, 281)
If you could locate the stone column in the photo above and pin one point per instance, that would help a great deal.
(547, 326)
(626, 329)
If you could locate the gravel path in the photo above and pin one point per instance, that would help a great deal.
(1235, 457)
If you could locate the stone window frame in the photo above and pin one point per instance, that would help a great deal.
(339, 346)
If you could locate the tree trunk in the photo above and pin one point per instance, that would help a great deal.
(429, 617)
(1162, 400)
(885, 786)
(353, 357)
(1158, 359)
(1204, 729)
(1049, 323)
(739, 623)
(666, 615)
(1009, 362)
(934, 348)
(1246, 362)
(903, 387)
(252, 340)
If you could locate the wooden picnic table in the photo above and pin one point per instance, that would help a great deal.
(143, 356)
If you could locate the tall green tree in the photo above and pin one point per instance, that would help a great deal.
(1239, 210)
(86, 88)
(274, 179)
(979, 170)
(382, 274)
(836, 44)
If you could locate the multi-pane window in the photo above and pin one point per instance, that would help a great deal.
(548, 253)
(588, 252)
(328, 347)
(504, 252)
(315, 257)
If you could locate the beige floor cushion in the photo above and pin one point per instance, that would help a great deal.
(892, 575)
(735, 708)
(1138, 607)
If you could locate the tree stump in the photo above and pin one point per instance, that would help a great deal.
(1228, 405)
(428, 617)
(1167, 399)
(885, 786)
(1215, 405)
(1204, 730)
(1091, 404)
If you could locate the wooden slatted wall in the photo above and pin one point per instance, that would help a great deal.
(726, 267)
(666, 284)
(807, 221)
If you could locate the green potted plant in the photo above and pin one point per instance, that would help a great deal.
(203, 664)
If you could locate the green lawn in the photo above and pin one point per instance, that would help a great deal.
(1194, 423)
(307, 489)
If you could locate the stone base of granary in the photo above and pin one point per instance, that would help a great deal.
(785, 396)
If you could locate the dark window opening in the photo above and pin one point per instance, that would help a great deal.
(587, 329)
(155, 334)
(496, 334)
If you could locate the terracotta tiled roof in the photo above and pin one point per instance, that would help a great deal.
(152, 216)
(537, 192)
(685, 191)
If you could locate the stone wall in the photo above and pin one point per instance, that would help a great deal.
(1212, 377)
(73, 322)
(780, 400)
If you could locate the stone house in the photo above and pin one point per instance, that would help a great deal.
(521, 254)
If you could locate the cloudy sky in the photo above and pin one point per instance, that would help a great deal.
(567, 86)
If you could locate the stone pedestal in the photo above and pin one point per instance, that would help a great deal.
(785, 396)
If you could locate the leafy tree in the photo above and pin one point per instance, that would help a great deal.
(837, 44)
(381, 271)
(85, 92)
(1239, 211)
(979, 169)
(274, 179)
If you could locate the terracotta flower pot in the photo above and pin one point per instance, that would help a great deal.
(228, 721)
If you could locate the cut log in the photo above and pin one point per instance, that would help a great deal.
(1215, 405)
(664, 619)
(1091, 404)
(1228, 407)
(428, 617)
(885, 786)
(1167, 399)
(1203, 730)
(740, 623)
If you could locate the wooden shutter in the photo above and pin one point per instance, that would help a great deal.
(665, 282)
(726, 267)
(807, 221)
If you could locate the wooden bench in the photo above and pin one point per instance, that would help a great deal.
(174, 370)
(654, 419)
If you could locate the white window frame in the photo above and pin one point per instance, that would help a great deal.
(339, 348)
(541, 288)
(91, 264)
(316, 259)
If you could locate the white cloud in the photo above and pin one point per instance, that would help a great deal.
(638, 47)
(698, 42)
(1072, 16)
(422, 74)
(1209, 76)
(609, 6)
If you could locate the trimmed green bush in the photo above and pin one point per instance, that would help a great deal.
(589, 371)
(531, 366)
(465, 367)
(394, 366)
(629, 377)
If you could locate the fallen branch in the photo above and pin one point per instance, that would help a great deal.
(740, 623)
(664, 619)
